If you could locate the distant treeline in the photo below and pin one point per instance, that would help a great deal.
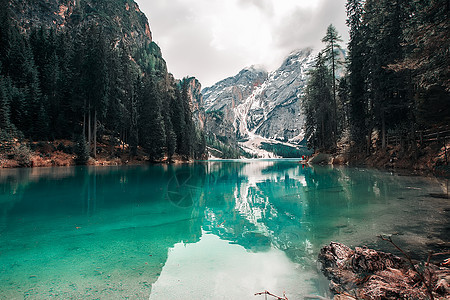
(285, 151)
(396, 74)
(80, 83)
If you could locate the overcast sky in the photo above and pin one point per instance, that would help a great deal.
(215, 39)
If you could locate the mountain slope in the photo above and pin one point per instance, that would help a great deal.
(257, 107)
(88, 71)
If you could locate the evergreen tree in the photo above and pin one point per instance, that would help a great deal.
(55, 81)
(64, 118)
(332, 39)
(5, 100)
(386, 90)
(171, 137)
(356, 79)
(318, 106)
(188, 132)
(178, 120)
(81, 150)
(95, 81)
(153, 134)
(5, 28)
(425, 39)
(426, 59)
(115, 112)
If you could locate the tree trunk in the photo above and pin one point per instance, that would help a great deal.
(89, 129)
(322, 143)
(334, 97)
(413, 142)
(383, 130)
(369, 140)
(95, 133)
(84, 118)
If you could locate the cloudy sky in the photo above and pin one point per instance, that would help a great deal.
(215, 39)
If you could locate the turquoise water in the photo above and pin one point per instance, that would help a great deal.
(210, 230)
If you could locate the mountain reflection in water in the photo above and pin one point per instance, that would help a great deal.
(219, 229)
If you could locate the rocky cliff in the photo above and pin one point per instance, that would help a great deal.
(256, 106)
(194, 90)
(222, 100)
(121, 21)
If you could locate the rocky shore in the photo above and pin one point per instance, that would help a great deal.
(365, 273)
(60, 153)
(433, 158)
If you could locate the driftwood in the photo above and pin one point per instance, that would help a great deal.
(272, 295)
(365, 273)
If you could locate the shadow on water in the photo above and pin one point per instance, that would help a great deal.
(109, 231)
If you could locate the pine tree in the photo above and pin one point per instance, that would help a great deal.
(318, 106)
(95, 81)
(171, 137)
(356, 78)
(81, 150)
(426, 43)
(153, 134)
(387, 91)
(188, 132)
(426, 59)
(65, 120)
(332, 39)
(178, 120)
(5, 29)
(5, 100)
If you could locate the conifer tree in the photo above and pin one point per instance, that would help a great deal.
(332, 39)
(86, 78)
(318, 106)
(356, 80)
(188, 132)
(153, 134)
(95, 81)
(5, 100)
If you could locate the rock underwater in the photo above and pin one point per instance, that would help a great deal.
(365, 273)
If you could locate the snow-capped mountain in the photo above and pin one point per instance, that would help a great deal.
(255, 106)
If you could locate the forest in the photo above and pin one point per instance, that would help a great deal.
(394, 79)
(85, 84)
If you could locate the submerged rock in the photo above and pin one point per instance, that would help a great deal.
(365, 273)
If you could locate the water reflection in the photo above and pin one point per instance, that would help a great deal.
(109, 231)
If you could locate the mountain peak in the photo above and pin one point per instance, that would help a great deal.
(256, 105)
(255, 68)
(297, 56)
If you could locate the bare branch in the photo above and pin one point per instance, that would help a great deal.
(270, 294)
(408, 257)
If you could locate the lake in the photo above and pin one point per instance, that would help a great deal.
(209, 230)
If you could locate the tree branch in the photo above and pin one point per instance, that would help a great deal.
(270, 294)
(408, 257)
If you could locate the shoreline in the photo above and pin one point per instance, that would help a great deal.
(431, 160)
(60, 153)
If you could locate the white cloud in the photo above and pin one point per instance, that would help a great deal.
(214, 39)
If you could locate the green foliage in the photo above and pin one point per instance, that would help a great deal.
(220, 147)
(22, 154)
(285, 150)
(426, 43)
(397, 67)
(318, 106)
(152, 129)
(81, 150)
(320, 100)
(92, 76)
(331, 40)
